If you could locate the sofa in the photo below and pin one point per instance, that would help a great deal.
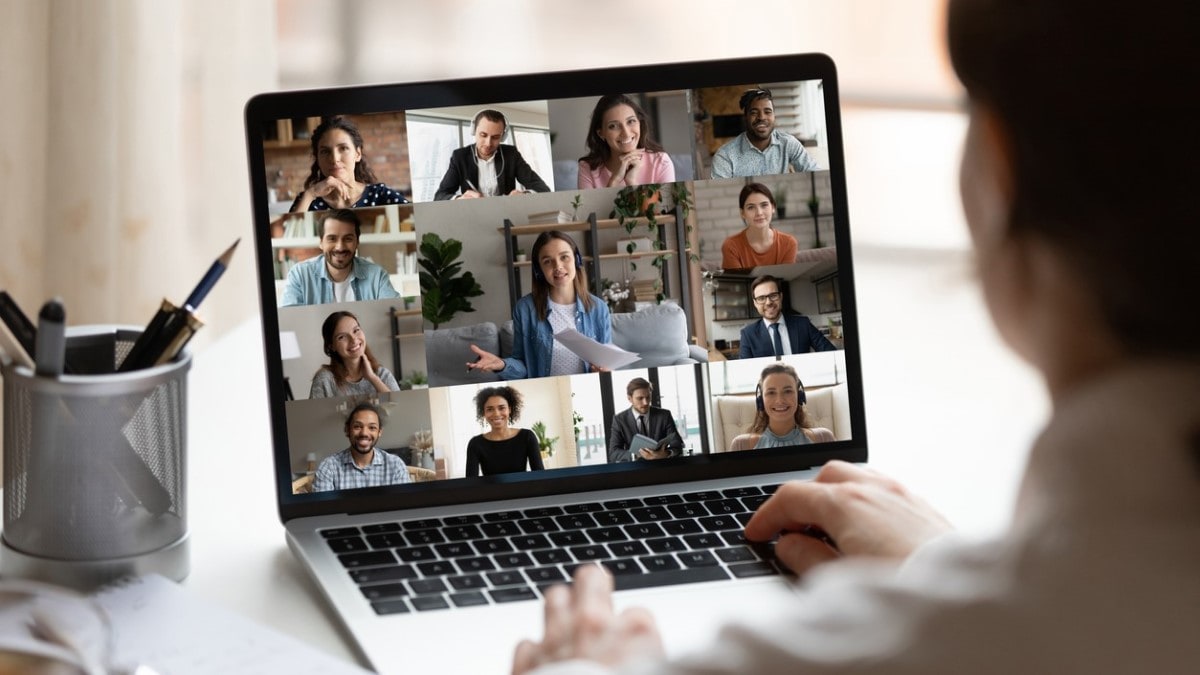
(827, 407)
(658, 334)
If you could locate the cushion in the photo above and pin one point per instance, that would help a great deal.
(447, 351)
(658, 334)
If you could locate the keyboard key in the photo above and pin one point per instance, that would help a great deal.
(384, 591)
(529, 542)
(347, 545)
(512, 594)
(586, 507)
(416, 554)
(650, 514)
(474, 564)
(426, 586)
(423, 524)
(544, 512)
(682, 576)
(505, 578)
(467, 582)
(736, 554)
(552, 556)
(734, 493)
(704, 540)
(472, 599)
(662, 500)
(752, 569)
(607, 534)
(666, 545)
(538, 525)
(352, 560)
(511, 560)
(390, 607)
(627, 549)
(728, 506)
(469, 519)
(681, 527)
(379, 528)
(752, 503)
(697, 559)
(716, 523)
(505, 528)
(423, 537)
(735, 537)
(743, 518)
(377, 574)
(622, 504)
(690, 510)
(569, 538)
(500, 516)
(545, 575)
(659, 563)
(576, 521)
(589, 552)
(462, 532)
(339, 532)
(437, 568)
(429, 602)
(456, 549)
(487, 546)
(705, 496)
(770, 489)
(387, 540)
(609, 518)
(644, 530)
(622, 567)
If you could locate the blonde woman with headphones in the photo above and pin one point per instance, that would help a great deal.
(781, 419)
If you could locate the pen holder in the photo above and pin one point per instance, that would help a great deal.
(94, 466)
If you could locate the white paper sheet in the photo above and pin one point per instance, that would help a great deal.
(605, 356)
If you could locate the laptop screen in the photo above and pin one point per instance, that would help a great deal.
(528, 285)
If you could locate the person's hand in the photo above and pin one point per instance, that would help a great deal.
(518, 191)
(599, 369)
(651, 453)
(470, 194)
(581, 624)
(487, 361)
(334, 191)
(862, 512)
(629, 163)
(368, 372)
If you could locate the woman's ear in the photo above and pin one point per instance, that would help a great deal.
(986, 177)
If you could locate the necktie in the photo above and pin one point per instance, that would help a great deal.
(776, 339)
(642, 425)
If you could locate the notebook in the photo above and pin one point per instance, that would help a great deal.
(440, 458)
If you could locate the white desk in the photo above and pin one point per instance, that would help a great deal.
(950, 412)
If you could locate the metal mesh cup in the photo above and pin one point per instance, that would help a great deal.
(94, 465)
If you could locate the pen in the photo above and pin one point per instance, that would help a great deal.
(16, 321)
(50, 351)
(210, 278)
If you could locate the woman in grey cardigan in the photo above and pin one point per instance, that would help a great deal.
(352, 368)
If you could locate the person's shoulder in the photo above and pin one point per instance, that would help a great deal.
(820, 435)
(786, 138)
(750, 327)
(731, 145)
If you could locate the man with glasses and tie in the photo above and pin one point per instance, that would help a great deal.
(641, 418)
(761, 149)
(777, 333)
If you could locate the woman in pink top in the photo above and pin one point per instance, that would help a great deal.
(620, 150)
(759, 243)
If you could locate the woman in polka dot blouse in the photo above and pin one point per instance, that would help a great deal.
(341, 177)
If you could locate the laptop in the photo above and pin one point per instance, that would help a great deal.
(400, 219)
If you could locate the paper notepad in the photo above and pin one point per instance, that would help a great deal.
(160, 624)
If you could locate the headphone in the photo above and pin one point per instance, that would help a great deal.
(490, 114)
(801, 397)
(537, 267)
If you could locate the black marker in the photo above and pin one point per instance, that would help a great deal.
(50, 351)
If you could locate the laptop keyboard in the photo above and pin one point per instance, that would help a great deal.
(507, 556)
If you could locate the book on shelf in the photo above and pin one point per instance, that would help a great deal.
(549, 218)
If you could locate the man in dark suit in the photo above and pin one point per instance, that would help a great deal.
(487, 168)
(642, 418)
(778, 333)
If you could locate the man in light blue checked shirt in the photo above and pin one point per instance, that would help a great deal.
(362, 464)
(760, 150)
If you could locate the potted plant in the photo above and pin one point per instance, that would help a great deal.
(575, 206)
(520, 255)
(445, 289)
(422, 449)
(545, 442)
(418, 380)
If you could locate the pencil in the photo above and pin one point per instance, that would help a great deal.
(210, 278)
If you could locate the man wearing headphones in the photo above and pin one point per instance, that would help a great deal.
(488, 168)
(643, 419)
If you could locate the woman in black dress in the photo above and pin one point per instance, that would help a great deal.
(502, 448)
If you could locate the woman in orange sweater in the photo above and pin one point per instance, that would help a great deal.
(759, 243)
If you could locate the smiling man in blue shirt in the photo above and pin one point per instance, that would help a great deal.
(761, 149)
(338, 274)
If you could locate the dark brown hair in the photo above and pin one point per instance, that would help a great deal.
(510, 396)
(638, 383)
(598, 150)
(362, 170)
(752, 188)
(335, 364)
(541, 287)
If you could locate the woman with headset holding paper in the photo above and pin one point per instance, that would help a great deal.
(559, 300)
(781, 419)
(487, 167)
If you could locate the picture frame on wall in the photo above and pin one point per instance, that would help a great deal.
(828, 295)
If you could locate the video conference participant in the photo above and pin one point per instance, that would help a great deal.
(559, 300)
(502, 448)
(352, 368)
(338, 274)
(758, 243)
(340, 177)
(488, 167)
(620, 148)
(761, 149)
(642, 418)
(781, 419)
(777, 333)
(362, 464)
